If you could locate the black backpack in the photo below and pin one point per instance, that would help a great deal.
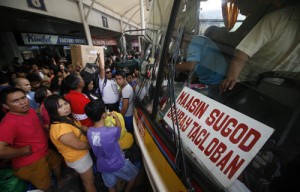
(91, 72)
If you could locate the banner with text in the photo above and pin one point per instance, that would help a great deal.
(222, 139)
(44, 39)
(104, 42)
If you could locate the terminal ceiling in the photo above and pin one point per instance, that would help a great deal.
(21, 21)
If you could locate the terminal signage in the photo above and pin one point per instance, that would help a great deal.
(103, 42)
(37, 4)
(44, 39)
(221, 139)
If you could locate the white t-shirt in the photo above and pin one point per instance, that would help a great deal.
(127, 93)
(110, 93)
(273, 44)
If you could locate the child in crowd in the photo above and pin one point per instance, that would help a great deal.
(39, 96)
(131, 80)
(67, 135)
(104, 142)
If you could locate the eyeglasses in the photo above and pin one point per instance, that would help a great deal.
(107, 72)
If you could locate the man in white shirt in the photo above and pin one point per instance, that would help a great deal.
(108, 87)
(127, 98)
(272, 45)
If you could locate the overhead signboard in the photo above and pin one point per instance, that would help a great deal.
(37, 4)
(103, 42)
(44, 39)
(222, 139)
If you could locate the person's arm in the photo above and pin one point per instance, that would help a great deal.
(8, 152)
(185, 66)
(79, 67)
(63, 70)
(74, 142)
(101, 67)
(125, 104)
(84, 128)
(236, 66)
(118, 123)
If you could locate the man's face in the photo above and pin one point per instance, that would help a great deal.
(129, 78)
(34, 68)
(25, 85)
(17, 102)
(71, 68)
(120, 80)
(108, 74)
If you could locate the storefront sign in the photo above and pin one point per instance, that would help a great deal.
(222, 139)
(103, 42)
(44, 39)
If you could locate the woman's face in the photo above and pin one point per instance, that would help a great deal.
(90, 86)
(64, 108)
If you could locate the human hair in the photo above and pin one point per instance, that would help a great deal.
(87, 81)
(51, 105)
(54, 86)
(94, 110)
(107, 67)
(40, 94)
(72, 81)
(121, 73)
(7, 91)
(33, 77)
(129, 74)
(3, 78)
(17, 81)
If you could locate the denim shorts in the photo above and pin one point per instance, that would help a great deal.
(127, 173)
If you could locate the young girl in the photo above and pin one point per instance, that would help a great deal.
(67, 135)
(89, 90)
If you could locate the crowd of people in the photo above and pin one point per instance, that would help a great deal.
(53, 117)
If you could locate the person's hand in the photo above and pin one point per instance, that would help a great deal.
(27, 150)
(228, 84)
(78, 66)
(114, 115)
(62, 67)
(99, 57)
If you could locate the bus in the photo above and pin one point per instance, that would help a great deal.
(218, 97)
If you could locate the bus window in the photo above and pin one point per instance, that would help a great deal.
(204, 42)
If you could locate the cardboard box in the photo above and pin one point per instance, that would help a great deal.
(85, 54)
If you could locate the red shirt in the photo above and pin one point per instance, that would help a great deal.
(22, 130)
(44, 115)
(78, 101)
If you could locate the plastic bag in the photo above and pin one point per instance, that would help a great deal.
(10, 183)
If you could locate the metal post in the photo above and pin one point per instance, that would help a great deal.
(123, 38)
(142, 12)
(85, 24)
(88, 13)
